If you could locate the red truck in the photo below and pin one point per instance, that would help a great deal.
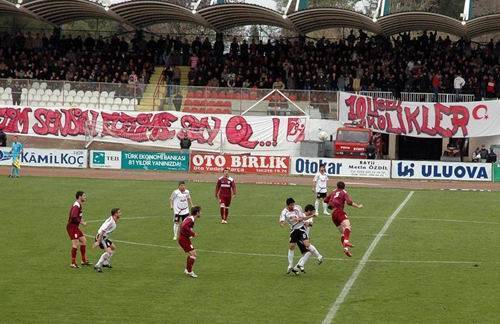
(351, 141)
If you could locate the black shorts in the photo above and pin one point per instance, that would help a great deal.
(321, 195)
(106, 242)
(302, 247)
(178, 217)
(298, 235)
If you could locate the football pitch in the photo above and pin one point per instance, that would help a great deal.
(437, 261)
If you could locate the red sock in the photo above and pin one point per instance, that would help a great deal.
(189, 263)
(83, 249)
(226, 213)
(346, 234)
(73, 255)
(222, 213)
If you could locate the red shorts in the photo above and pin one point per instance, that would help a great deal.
(338, 216)
(74, 232)
(226, 200)
(185, 244)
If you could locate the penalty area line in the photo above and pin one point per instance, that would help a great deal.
(362, 263)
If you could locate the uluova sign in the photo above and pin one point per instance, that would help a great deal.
(240, 163)
(441, 170)
(342, 167)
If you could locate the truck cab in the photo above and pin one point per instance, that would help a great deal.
(351, 141)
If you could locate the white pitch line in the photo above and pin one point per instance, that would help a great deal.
(122, 218)
(284, 256)
(362, 263)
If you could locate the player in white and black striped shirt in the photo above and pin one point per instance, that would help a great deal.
(293, 216)
(102, 239)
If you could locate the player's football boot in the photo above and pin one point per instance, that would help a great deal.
(107, 266)
(326, 213)
(74, 266)
(292, 270)
(174, 239)
(192, 274)
(86, 263)
(320, 260)
(97, 268)
(347, 252)
(300, 268)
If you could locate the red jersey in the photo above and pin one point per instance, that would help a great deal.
(225, 187)
(75, 214)
(187, 227)
(338, 199)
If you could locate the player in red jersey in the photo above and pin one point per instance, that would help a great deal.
(224, 191)
(76, 236)
(336, 201)
(185, 235)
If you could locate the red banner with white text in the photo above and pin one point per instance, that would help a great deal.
(422, 119)
(219, 133)
(240, 163)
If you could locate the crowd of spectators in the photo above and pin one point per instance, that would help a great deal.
(81, 59)
(427, 63)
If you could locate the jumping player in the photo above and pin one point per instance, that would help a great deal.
(224, 191)
(186, 233)
(76, 236)
(320, 187)
(102, 240)
(336, 200)
(180, 201)
(293, 216)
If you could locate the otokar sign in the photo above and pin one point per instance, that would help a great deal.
(441, 170)
(342, 167)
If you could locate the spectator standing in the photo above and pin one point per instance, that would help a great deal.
(458, 84)
(492, 157)
(371, 151)
(3, 138)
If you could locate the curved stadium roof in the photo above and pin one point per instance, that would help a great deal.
(142, 13)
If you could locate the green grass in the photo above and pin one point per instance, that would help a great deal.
(147, 283)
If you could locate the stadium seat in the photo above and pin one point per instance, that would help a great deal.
(67, 86)
(115, 107)
(104, 94)
(88, 94)
(8, 90)
(107, 107)
(45, 98)
(43, 85)
(82, 106)
(118, 101)
(40, 92)
(110, 101)
(72, 93)
(111, 94)
(35, 85)
(80, 93)
(56, 92)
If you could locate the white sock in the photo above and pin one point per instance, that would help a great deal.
(176, 229)
(108, 260)
(104, 258)
(290, 258)
(316, 205)
(325, 208)
(314, 251)
(304, 259)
